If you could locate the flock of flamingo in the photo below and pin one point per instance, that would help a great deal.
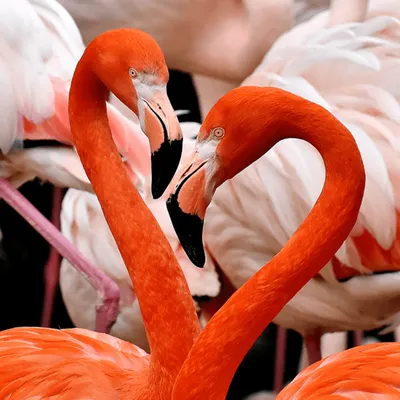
(181, 242)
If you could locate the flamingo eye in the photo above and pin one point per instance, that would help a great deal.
(218, 132)
(133, 73)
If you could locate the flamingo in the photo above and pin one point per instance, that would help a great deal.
(352, 76)
(370, 369)
(39, 48)
(77, 363)
(238, 130)
(83, 223)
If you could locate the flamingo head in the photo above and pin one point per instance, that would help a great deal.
(223, 149)
(131, 65)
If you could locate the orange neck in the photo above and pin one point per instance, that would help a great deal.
(214, 358)
(165, 301)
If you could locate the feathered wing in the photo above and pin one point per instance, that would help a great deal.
(351, 81)
(368, 110)
(11, 120)
(66, 40)
(59, 165)
(38, 41)
(46, 363)
(40, 45)
(24, 48)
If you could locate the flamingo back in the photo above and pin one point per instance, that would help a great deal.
(369, 372)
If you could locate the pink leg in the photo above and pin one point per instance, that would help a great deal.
(357, 337)
(52, 268)
(108, 290)
(313, 346)
(280, 358)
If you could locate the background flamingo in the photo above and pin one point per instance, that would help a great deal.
(228, 45)
(34, 63)
(40, 48)
(240, 32)
(287, 14)
(39, 57)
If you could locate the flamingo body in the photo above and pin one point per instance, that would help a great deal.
(368, 372)
(72, 363)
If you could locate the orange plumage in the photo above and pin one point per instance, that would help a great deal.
(370, 372)
(69, 364)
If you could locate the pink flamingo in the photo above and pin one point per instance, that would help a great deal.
(282, 16)
(40, 46)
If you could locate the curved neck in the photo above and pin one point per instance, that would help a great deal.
(214, 358)
(166, 304)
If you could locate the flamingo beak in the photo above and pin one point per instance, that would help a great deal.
(186, 207)
(162, 127)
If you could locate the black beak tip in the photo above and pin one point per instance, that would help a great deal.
(164, 163)
(189, 229)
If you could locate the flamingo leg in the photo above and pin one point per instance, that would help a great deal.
(52, 267)
(313, 346)
(280, 357)
(108, 309)
(357, 338)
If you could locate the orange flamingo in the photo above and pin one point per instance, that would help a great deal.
(238, 130)
(358, 289)
(75, 363)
